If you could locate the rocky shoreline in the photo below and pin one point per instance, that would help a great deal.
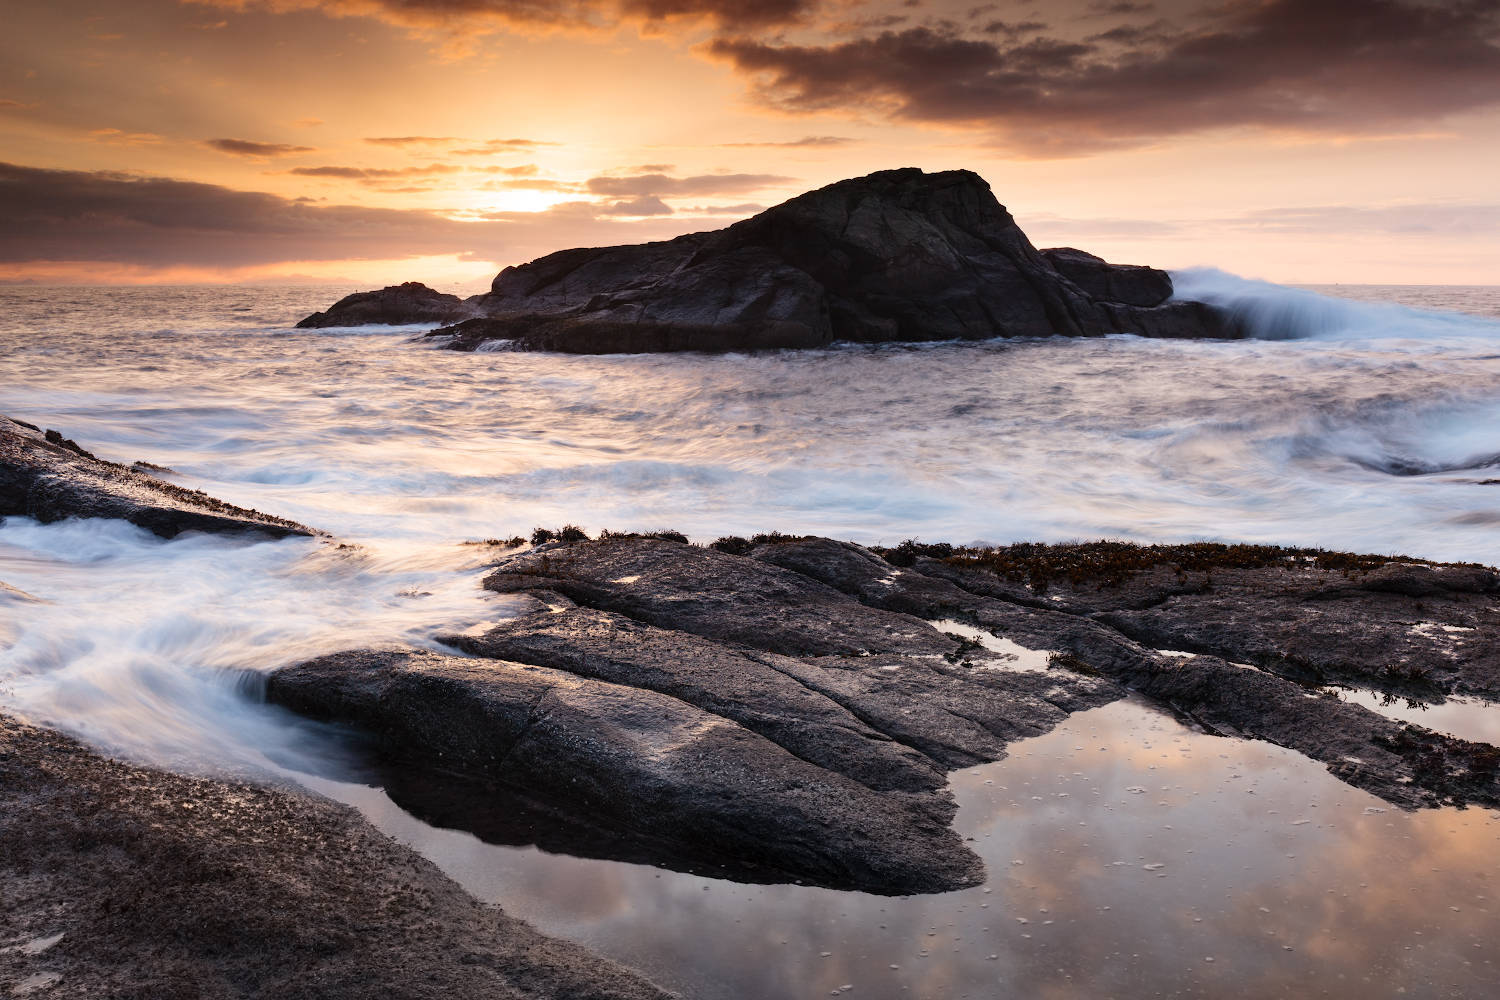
(897, 255)
(825, 689)
(773, 709)
(128, 882)
(46, 476)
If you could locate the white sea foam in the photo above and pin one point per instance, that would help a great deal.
(1373, 430)
(1276, 312)
(148, 647)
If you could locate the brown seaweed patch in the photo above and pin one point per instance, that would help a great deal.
(1111, 564)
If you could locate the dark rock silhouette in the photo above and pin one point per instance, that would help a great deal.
(412, 302)
(898, 255)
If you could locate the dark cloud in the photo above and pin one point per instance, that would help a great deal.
(806, 142)
(592, 14)
(1136, 35)
(731, 13)
(1014, 29)
(255, 150)
(1336, 67)
(637, 185)
(1104, 9)
(155, 222)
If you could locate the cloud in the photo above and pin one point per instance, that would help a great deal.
(1124, 7)
(374, 173)
(643, 206)
(637, 185)
(1329, 67)
(155, 222)
(1449, 220)
(17, 105)
(492, 147)
(806, 142)
(122, 138)
(308, 122)
(747, 209)
(255, 150)
(411, 140)
(492, 15)
(532, 184)
(520, 170)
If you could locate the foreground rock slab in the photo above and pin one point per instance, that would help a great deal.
(898, 255)
(129, 883)
(706, 788)
(788, 707)
(46, 476)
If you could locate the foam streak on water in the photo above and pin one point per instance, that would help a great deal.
(1375, 427)
(1126, 855)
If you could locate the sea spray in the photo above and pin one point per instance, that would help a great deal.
(1269, 311)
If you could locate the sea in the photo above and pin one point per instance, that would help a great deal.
(1128, 855)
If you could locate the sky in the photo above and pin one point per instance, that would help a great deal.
(378, 141)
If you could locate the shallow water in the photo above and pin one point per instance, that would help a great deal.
(1127, 856)
(1367, 425)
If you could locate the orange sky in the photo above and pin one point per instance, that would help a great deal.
(386, 140)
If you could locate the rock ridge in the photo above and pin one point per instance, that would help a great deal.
(46, 476)
(791, 706)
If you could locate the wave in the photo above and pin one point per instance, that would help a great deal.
(1276, 312)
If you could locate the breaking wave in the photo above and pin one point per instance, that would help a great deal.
(1276, 312)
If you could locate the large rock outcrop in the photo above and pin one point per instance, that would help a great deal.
(49, 477)
(788, 707)
(898, 255)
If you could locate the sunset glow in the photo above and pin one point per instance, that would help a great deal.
(1299, 141)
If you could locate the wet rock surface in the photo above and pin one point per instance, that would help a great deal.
(898, 255)
(824, 688)
(395, 305)
(125, 882)
(697, 784)
(48, 477)
(1390, 623)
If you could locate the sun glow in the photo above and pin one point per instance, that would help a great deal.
(480, 204)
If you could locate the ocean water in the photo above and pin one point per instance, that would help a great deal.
(1363, 418)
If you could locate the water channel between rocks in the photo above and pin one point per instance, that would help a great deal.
(1127, 855)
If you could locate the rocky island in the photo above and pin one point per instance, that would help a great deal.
(897, 255)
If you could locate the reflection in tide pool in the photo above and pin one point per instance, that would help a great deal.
(1466, 718)
(1127, 857)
